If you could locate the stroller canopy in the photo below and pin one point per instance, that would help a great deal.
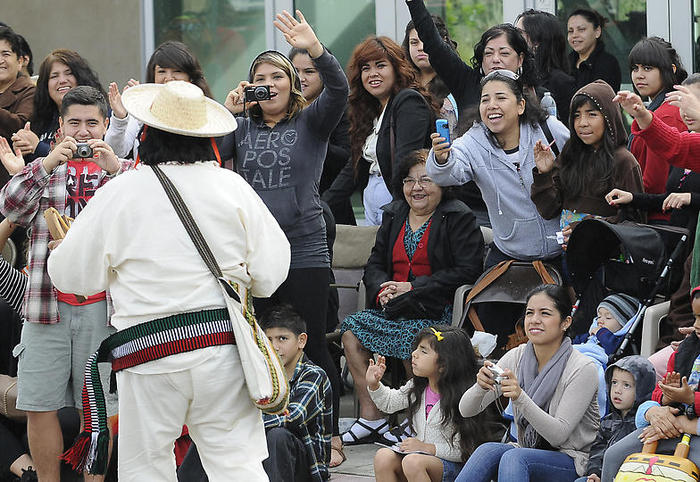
(631, 256)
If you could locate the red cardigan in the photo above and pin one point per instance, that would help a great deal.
(679, 148)
(653, 164)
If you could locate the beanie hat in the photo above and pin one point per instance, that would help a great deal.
(622, 307)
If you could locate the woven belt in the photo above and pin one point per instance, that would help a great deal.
(148, 341)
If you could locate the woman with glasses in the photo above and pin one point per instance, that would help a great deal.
(427, 246)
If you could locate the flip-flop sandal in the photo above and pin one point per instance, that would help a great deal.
(337, 449)
(397, 434)
(370, 434)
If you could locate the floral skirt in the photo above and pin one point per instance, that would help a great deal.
(392, 338)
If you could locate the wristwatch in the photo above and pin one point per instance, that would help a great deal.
(690, 411)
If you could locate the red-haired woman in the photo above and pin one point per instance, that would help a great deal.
(389, 117)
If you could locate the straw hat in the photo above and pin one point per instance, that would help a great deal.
(178, 107)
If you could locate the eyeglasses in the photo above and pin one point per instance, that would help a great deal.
(424, 181)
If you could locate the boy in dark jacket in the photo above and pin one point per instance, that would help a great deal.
(630, 382)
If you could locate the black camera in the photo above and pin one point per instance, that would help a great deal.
(83, 151)
(255, 93)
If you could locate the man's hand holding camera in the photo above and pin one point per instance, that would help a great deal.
(95, 150)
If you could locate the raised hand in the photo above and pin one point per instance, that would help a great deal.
(684, 99)
(60, 154)
(544, 157)
(25, 140)
(633, 105)
(104, 156)
(375, 372)
(235, 97)
(441, 148)
(681, 393)
(299, 33)
(13, 161)
(618, 196)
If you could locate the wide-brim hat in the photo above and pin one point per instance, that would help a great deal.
(178, 107)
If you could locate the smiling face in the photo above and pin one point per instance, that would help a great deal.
(589, 124)
(280, 89)
(83, 122)
(424, 360)
(421, 193)
(415, 49)
(544, 324)
(622, 390)
(311, 83)
(10, 65)
(499, 108)
(166, 74)
(61, 80)
(647, 80)
(582, 35)
(378, 79)
(498, 54)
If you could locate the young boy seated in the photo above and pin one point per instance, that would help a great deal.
(630, 382)
(299, 441)
(613, 314)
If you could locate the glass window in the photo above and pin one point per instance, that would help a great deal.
(626, 25)
(340, 24)
(225, 35)
(467, 20)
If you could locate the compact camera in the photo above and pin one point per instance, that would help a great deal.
(255, 93)
(83, 151)
(498, 372)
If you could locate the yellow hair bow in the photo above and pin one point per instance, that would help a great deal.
(438, 334)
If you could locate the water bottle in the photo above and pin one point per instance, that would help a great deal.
(548, 104)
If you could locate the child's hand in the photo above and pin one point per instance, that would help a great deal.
(593, 478)
(375, 372)
(484, 377)
(544, 157)
(618, 196)
(674, 393)
(595, 329)
(510, 386)
(633, 105)
(414, 445)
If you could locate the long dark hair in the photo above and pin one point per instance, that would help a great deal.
(547, 39)
(657, 52)
(160, 146)
(583, 168)
(437, 88)
(363, 107)
(517, 42)
(458, 368)
(45, 109)
(172, 54)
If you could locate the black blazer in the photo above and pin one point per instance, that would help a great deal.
(412, 119)
(455, 252)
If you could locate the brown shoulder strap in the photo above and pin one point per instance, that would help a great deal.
(493, 274)
(542, 271)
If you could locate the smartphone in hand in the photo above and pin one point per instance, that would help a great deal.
(442, 128)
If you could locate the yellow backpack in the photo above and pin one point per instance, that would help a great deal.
(649, 466)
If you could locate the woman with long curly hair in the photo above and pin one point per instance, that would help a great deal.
(390, 115)
(60, 71)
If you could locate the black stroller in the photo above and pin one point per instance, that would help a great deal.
(604, 258)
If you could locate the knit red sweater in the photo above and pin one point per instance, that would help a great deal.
(679, 148)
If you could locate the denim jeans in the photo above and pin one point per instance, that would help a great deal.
(511, 464)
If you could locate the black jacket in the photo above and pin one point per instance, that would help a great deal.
(562, 86)
(337, 157)
(412, 119)
(599, 65)
(455, 252)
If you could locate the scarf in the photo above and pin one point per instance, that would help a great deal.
(540, 386)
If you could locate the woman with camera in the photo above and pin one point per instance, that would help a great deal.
(279, 148)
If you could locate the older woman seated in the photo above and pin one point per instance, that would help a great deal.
(427, 246)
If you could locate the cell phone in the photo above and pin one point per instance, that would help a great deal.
(442, 128)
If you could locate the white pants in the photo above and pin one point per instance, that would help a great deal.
(374, 197)
(212, 400)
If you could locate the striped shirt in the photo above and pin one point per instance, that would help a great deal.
(309, 415)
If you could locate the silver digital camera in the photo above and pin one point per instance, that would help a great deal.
(83, 151)
(498, 372)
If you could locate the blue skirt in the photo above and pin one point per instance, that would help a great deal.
(392, 338)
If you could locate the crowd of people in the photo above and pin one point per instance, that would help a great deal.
(535, 143)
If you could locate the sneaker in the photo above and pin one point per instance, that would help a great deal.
(397, 434)
(29, 475)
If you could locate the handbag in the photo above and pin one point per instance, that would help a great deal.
(264, 373)
(8, 404)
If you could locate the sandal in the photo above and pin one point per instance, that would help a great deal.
(337, 454)
(397, 434)
(361, 433)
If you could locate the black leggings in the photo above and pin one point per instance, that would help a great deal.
(306, 289)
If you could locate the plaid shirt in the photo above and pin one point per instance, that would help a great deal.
(23, 200)
(310, 415)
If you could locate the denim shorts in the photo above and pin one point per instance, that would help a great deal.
(450, 470)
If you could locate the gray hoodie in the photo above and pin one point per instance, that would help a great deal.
(518, 229)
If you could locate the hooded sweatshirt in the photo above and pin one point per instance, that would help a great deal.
(519, 231)
(614, 426)
(547, 190)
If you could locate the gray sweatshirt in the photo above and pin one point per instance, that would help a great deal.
(518, 229)
(284, 164)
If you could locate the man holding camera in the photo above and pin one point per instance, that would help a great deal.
(61, 329)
